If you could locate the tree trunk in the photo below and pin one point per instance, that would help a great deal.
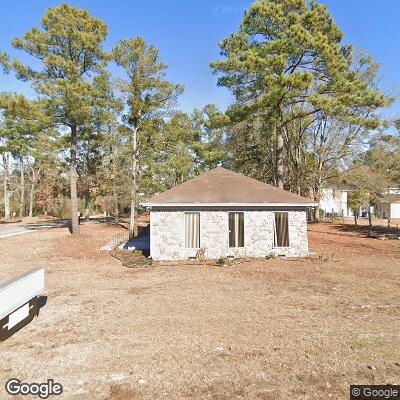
(114, 188)
(355, 218)
(89, 173)
(317, 213)
(87, 203)
(133, 225)
(7, 193)
(298, 169)
(369, 217)
(32, 193)
(317, 198)
(22, 187)
(6, 200)
(317, 185)
(298, 186)
(279, 158)
(6, 203)
(73, 179)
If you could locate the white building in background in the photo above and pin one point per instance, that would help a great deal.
(389, 205)
(335, 201)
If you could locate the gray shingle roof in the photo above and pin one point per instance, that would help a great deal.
(221, 186)
(389, 198)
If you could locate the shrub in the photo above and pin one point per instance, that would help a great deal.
(272, 255)
(222, 261)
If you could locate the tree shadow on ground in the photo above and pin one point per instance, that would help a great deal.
(375, 231)
(15, 221)
(365, 230)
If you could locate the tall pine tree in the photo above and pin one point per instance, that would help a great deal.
(289, 53)
(149, 96)
(68, 46)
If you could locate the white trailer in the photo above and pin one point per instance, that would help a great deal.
(15, 296)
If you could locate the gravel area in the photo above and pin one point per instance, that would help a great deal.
(267, 329)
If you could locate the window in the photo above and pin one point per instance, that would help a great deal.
(281, 229)
(192, 230)
(236, 229)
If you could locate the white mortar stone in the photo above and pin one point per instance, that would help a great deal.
(167, 238)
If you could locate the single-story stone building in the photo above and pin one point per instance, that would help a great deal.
(225, 214)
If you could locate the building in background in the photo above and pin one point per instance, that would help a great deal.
(334, 202)
(388, 206)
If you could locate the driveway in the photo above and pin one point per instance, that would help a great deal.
(11, 229)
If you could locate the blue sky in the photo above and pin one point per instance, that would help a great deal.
(187, 34)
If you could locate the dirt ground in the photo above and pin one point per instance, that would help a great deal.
(268, 329)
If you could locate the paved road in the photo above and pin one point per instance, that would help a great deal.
(10, 229)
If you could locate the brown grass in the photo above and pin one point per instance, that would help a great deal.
(267, 329)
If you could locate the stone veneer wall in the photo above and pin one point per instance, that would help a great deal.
(167, 240)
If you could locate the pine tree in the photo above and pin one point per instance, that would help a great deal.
(148, 97)
(24, 122)
(69, 47)
(103, 144)
(5, 163)
(209, 140)
(289, 53)
(176, 144)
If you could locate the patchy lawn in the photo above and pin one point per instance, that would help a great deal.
(267, 329)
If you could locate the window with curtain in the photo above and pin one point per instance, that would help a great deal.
(281, 229)
(236, 229)
(192, 230)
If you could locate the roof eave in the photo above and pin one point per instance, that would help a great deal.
(292, 204)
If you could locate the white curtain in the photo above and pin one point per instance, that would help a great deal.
(236, 230)
(192, 230)
(281, 229)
